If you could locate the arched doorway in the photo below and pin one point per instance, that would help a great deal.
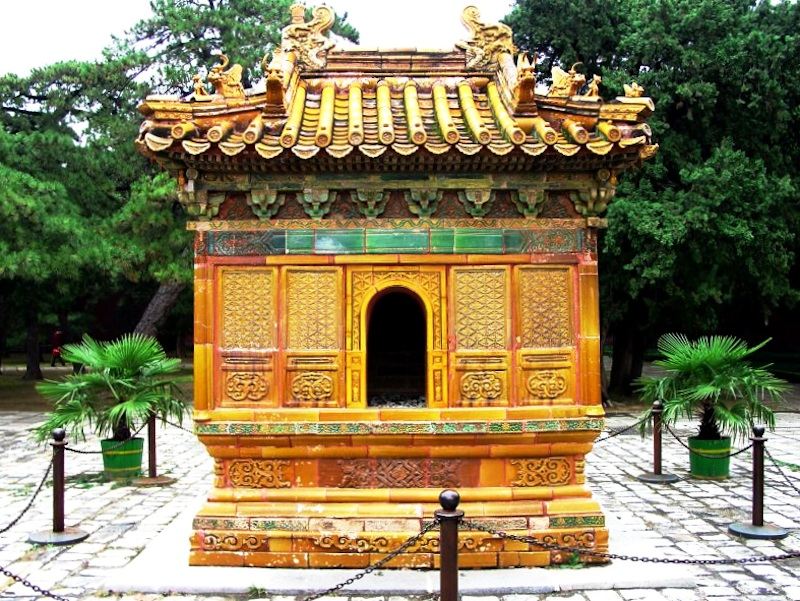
(396, 350)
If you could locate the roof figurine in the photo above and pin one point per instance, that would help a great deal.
(365, 109)
(488, 42)
(309, 40)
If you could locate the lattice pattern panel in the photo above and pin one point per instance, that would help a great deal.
(248, 314)
(312, 307)
(544, 308)
(480, 308)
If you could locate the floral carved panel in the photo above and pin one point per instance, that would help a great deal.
(544, 308)
(547, 471)
(248, 312)
(480, 308)
(312, 306)
(258, 473)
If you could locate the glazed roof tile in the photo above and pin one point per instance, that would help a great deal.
(317, 100)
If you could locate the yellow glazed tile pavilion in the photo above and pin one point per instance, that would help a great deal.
(395, 293)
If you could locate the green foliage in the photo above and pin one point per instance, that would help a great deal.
(711, 379)
(84, 214)
(181, 36)
(123, 383)
(704, 235)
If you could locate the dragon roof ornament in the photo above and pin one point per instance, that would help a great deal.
(308, 40)
(488, 41)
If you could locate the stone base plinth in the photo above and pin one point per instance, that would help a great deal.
(343, 494)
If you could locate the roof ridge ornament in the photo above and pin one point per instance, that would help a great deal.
(308, 40)
(227, 84)
(566, 83)
(488, 41)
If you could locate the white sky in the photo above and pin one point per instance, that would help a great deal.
(38, 32)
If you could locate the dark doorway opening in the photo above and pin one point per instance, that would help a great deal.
(396, 351)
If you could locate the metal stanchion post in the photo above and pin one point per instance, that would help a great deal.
(448, 517)
(59, 535)
(657, 476)
(757, 529)
(152, 478)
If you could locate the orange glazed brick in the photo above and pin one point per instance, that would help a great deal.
(515, 545)
(571, 448)
(357, 495)
(217, 510)
(522, 451)
(306, 473)
(578, 506)
(348, 415)
(328, 441)
(280, 544)
(276, 560)
(395, 452)
(215, 558)
(407, 560)
(538, 412)
(483, 494)
(457, 451)
(507, 559)
(473, 414)
(471, 560)
(493, 472)
(338, 560)
(377, 440)
(534, 559)
(405, 415)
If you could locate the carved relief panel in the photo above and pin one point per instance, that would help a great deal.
(313, 336)
(545, 336)
(247, 336)
(481, 319)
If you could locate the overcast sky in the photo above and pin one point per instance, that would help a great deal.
(38, 32)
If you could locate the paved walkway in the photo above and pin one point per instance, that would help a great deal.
(689, 518)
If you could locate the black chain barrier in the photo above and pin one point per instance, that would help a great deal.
(378, 564)
(111, 448)
(781, 472)
(622, 557)
(614, 433)
(179, 426)
(31, 585)
(32, 499)
(707, 456)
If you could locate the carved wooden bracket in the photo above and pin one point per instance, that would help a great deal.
(423, 203)
(316, 201)
(265, 203)
(529, 201)
(370, 203)
(477, 202)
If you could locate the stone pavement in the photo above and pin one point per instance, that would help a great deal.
(689, 518)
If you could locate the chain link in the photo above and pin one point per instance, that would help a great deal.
(707, 456)
(179, 427)
(603, 555)
(378, 564)
(780, 471)
(111, 448)
(614, 433)
(31, 585)
(32, 499)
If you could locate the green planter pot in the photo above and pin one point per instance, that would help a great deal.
(715, 461)
(122, 460)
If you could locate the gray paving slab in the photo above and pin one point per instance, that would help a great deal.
(688, 518)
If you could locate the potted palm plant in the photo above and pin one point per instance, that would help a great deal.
(712, 380)
(121, 385)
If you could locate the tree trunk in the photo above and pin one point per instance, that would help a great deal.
(159, 307)
(627, 359)
(32, 369)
